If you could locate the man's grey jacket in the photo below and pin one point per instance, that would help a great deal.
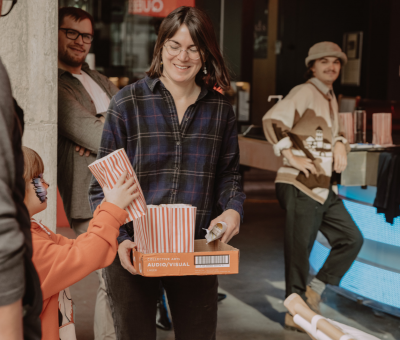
(78, 124)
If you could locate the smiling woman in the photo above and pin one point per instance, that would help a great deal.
(187, 42)
(180, 136)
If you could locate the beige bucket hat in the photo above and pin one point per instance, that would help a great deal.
(326, 49)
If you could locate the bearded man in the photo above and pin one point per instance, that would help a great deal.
(83, 99)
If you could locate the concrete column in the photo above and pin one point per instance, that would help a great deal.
(28, 49)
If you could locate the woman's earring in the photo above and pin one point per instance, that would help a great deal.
(205, 70)
(162, 63)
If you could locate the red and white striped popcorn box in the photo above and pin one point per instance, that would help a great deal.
(346, 126)
(109, 169)
(167, 228)
(183, 222)
(382, 129)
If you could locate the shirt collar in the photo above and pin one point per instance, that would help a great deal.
(85, 67)
(152, 82)
(321, 86)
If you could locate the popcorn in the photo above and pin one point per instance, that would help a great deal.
(216, 232)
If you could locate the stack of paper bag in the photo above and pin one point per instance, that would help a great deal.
(382, 129)
(346, 126)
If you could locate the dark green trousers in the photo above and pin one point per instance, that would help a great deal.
(304, 217)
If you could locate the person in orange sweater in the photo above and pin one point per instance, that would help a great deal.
(61, 262)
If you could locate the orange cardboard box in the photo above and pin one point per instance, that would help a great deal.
(215, 258)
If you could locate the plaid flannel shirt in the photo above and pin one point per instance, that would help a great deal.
(195, 162)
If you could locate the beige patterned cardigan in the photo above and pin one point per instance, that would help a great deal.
(306, 121)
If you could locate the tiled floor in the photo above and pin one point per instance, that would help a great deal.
(254, 308)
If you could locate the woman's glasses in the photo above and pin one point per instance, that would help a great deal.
(193, 52)
(73, 35)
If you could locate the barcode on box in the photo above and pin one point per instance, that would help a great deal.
(216, 261)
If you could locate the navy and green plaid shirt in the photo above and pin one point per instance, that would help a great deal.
(195, 162)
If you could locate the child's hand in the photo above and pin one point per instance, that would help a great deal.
(123, 193)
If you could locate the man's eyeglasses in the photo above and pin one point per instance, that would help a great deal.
(7, 7)
(193, 52)
(73, 35)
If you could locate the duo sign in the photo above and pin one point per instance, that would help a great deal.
(156, 8)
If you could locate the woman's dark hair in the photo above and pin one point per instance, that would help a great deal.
(203, 36)
(76, 13)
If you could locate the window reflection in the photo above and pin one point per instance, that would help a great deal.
(123, 43)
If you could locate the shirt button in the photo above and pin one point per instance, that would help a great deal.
(178, 143)
(187, 118)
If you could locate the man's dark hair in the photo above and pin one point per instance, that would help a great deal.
(309, 73)
(76, 13)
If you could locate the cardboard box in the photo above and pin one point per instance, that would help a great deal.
(215, 258)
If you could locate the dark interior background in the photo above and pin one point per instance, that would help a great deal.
(306, 22)
(124, 43)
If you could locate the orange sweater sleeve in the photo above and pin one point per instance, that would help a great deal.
(61, 262)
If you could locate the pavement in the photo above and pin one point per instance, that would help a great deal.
(253, 309)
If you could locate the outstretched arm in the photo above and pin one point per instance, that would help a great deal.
(64, 262)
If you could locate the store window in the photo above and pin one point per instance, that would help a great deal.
(125, 34)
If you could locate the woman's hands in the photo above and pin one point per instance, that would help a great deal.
(305, 165)
(123, 193)
(124, 253)
(339, 157)
(232, 219)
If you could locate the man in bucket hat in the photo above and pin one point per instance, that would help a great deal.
(304, 128)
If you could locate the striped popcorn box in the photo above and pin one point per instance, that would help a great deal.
(346, 126)
(142, 232)
(158, 223)
(382, 129)
(167, 228)
(108, 169)
(183, 222)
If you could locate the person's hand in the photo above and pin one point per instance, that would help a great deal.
(339, 157)
(82, 151)
(102, 119)
(123, 193)
(232, 219)
(124, 253)
(303, 164)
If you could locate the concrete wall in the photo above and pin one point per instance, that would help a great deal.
(28, 48)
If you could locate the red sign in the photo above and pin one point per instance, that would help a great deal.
(156, 8)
